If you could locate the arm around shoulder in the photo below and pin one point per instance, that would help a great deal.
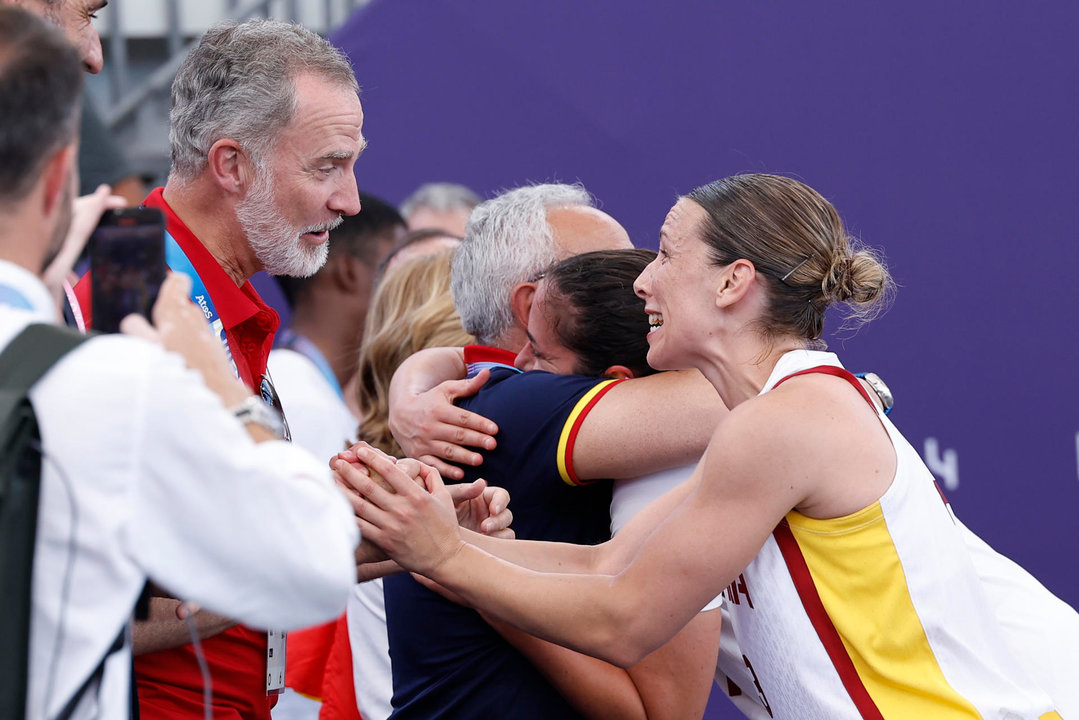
(648, 424)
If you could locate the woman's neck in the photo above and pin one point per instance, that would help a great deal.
(742, 369)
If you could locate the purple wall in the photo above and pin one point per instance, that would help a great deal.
(945, 133)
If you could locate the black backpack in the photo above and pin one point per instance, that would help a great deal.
(22, 363)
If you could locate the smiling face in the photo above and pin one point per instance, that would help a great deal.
(307, 183)
(679, 290)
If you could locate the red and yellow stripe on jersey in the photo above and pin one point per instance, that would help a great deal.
(877, 614)
(568, 438)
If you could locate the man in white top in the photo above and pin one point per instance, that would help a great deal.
(145, 473)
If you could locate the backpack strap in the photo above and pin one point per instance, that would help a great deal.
(22, 363)
(32, 353)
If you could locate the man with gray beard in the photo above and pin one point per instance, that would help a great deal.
(266, 126)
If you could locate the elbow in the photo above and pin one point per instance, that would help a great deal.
(623, 638)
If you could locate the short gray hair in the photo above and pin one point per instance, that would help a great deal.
(440, 197)
(239, 83)
(507, 241)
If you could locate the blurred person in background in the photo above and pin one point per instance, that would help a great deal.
(416, 243)
(76, 19)
(442, 206)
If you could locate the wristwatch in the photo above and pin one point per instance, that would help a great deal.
(254, 410)
(880, 388)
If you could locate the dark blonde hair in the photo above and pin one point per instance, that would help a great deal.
(796, 241)
(412, 309)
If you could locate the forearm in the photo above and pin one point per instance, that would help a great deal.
(541, 556)
(585, 612)
(164, 630)
(671, 683)
(425, 369)
(597, 690)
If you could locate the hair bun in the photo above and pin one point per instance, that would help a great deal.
(859, 278)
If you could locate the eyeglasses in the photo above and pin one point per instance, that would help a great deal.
(271, 398)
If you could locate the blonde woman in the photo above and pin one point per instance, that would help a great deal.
(412, 309)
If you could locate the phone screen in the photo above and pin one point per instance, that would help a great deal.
(127, 265)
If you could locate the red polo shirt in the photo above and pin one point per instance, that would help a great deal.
(170, 684)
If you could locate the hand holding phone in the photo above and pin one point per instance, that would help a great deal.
(127, 265)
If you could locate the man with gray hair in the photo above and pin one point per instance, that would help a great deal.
(442, 206)
(266, 126)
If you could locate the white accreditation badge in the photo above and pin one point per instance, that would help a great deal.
(275, 662)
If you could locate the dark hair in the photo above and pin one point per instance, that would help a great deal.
(796, 241)
(603, 322)
(357, 235)
(41, 80)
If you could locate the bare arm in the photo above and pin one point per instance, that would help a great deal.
(648, 424)
(671, 683)
(695, 552)
(423, 418)
(164, 629)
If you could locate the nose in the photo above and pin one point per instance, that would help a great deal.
(524, 359)
(641, 284)
(92, 58)
(346, 200)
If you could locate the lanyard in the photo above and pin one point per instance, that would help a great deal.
(178, 262)
(296, 342)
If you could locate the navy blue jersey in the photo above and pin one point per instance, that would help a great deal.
(447, 662)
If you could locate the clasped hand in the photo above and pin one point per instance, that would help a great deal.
(403, 507)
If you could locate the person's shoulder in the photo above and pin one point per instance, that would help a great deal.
(527, 395)
(543, 384)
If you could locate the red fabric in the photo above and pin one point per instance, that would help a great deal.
(249, 322)
(822, 623)
(307, 652)
(338, 688)
(170, 684)
(484, 353)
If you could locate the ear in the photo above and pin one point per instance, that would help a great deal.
(735, 282)
(618, 372)
(350, 274)
(230, 166)
(521, 302)
(55, 179)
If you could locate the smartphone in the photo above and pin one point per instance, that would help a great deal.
(127, 265)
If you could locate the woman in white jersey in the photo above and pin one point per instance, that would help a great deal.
(851, 592)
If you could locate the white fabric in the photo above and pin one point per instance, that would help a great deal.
(318, 418)
(788, 659)
(321, 422)
(145, 474)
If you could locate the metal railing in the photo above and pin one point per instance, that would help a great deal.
(125, 101)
